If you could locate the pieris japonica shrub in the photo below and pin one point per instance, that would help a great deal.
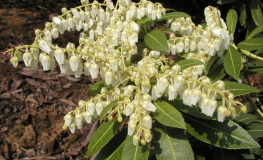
(160, 88)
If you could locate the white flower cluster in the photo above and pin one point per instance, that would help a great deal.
(108, 39)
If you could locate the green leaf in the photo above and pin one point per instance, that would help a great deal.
(239, 89)
(257, 151)
(259, 51)
(117, 153)
(222, 154)
(107, 108)
(256, 12)
(255, 130)
(216, 74)
(225, 1)
(168, 115)
(194, 110)
(209, 64)
(156, 40)
(255, 71)
(184, 64)
(134, 152)
(232, 62)
(244, 154)
(225, 135)
(231, 20)
(244, 119)
(113, 148)
(96, 87)
(171, 144)
(255, 32)
(243, 15)
(173, 15)
(144, 20)
(102, 136)
(199, 155)
(251, 44)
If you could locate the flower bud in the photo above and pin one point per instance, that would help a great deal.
(136, 139)
(14, 61)
(27, 57)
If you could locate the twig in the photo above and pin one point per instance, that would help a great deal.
(123, 123)
(24, 149)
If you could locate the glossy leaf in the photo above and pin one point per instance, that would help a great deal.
(156, 40)
(168, 115)
(257, 151)
(217, 74)
(173, 15)
(255, 71)
(255, 130)
(209, 64)
(232, 62)
(117, 154)
(238, 88)
(172, 144)
(113, 148)
(96, 87)
(134, 152)
(231, 20)
(251, 44)
(256, 12)
(244, 119)
(184, 64)
(243, 15)
(105, 110)
(102, 136)
(255, 32)
(225, 135)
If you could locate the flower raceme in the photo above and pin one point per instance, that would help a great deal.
(109, 36)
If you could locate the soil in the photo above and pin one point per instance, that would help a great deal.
(33, 103)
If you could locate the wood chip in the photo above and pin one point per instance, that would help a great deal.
(33, 82)
(31, 100)
(5, 96)
(68, 102)
(68, 85)
(4, 129)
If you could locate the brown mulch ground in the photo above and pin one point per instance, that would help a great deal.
(33, 103)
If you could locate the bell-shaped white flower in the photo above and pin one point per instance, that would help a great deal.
(79, 121)
(148, 106)
(14, 61)
(75, 13)
(94, 70)
(179, 82)
(60, 56)
(221, 113)
(74, 63)
(136, 139)
(44, 46)
(54, 33)
(108, 77)
(72, 127)
(128, 90)
(113, 65)
(79, 71)
(129, 109)
(110, 4)
(131, 127)
(147, 135)
(147, 120)
(172, 93)
(45, 62)
(162, 83)
(91, 108)
(87, 68)
(68, 120)
(27, 57)
(99, 107)
(56, 20)
(64, 67)
(34, 63)
(87, 116)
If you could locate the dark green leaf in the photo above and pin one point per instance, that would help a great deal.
(231, 20)
(255, 32)
(256, 12)
(134, 152)
(244, 119)
(117, 154)
(238, 88)
(199, 155)
(184, 64)
(102, 136)
(209, 64)
(255, 71)
(259, 51)
(173, 15)
(255, 130)
(96, 87)
(168, 115)
(217, 73)
(251, 44)
(182, 54)
(257, 151)
(243, 15)
(113, 148)
(222, 154)
(171, 144)
(232, 62)
(107, 108)
(225, 1)
(156, 40)
(225, 135)
(244, 154)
